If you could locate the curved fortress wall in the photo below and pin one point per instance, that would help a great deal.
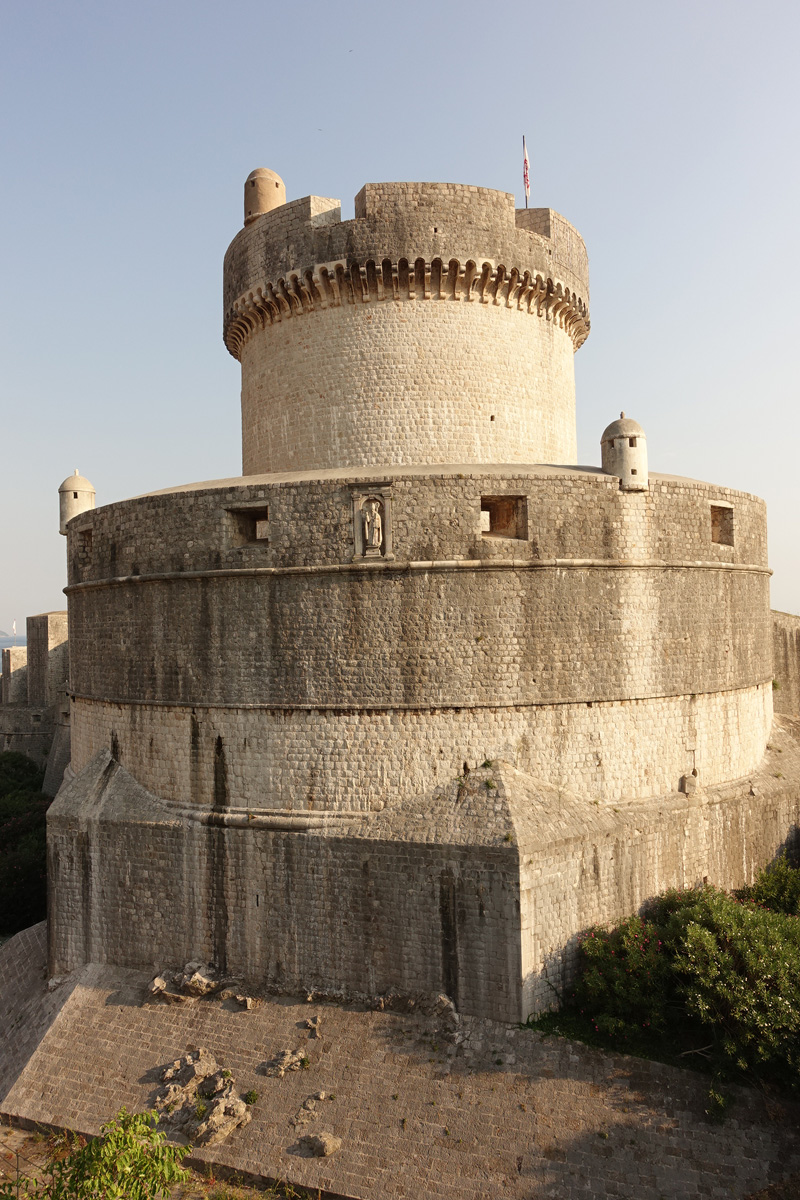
(611, 647)
(438, 323)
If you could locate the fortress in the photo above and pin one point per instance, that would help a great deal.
(416, 699)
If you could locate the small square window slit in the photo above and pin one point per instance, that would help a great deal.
(504, 516)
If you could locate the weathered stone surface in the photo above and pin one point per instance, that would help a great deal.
(786, 658)
(187, 1072)
(224, 1115)
(283, 1061)
(198, 1099)
(322, 1144)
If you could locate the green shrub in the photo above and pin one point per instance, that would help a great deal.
(702, 975)
(739, 967)
(129, 1161)
(626, 984)
(777, 887)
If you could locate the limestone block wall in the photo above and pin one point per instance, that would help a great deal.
(361, 911)
(14, 680)
(436, 381)
(48, 657)
(786, 652)
(580, 869)
(610, 645)
(438, 322)
(476, 890)
(26, 730)
(312, 759)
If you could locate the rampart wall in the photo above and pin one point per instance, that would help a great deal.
(611, 649)
(14, 679)
(48, 657)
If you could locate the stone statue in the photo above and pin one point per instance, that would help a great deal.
(373, 527)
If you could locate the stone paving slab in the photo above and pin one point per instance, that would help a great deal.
(505, 1113)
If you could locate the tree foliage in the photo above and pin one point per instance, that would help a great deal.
(128, 1161)
(23, 846)
(702, 974)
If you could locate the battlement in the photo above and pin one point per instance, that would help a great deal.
(411, 220)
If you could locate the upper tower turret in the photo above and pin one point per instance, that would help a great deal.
(438, 326)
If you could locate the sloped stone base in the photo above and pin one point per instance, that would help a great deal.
(478, 890)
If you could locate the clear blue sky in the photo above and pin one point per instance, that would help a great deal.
(668, 133)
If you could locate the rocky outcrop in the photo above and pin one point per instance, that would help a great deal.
(197, 1101)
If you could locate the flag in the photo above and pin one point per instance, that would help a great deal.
(14, 628)
(526, 167)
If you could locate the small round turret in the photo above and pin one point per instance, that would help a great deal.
(624, 450)
(75, 495)
(263, 191)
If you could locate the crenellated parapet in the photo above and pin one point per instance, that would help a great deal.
(334, 284)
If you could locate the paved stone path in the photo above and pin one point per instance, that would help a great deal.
(505, 1113)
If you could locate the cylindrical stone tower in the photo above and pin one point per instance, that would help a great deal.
(438, 326)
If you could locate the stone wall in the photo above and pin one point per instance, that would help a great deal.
(26, 730)
(354, 759)
(14, 680)
(786, 656)
(441, 370)
(32, 694)
(610, 646)
(48, 657)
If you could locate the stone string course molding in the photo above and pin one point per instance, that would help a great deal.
(335, 284)
(457, 564)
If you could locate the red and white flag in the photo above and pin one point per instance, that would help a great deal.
(526, 167)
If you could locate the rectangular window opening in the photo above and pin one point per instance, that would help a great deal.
(251, 526)
(85, 541)
(722, 524)
(504, 516)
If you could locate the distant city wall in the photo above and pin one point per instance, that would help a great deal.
(786, 660)
(32, 694)
(14, 682)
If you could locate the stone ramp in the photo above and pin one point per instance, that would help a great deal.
(504, 1113)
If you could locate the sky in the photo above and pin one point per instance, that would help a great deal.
(667, 133)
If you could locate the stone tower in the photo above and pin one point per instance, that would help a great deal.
(410, 703)
(439, 326)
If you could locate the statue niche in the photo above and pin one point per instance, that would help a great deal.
(372, 527)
